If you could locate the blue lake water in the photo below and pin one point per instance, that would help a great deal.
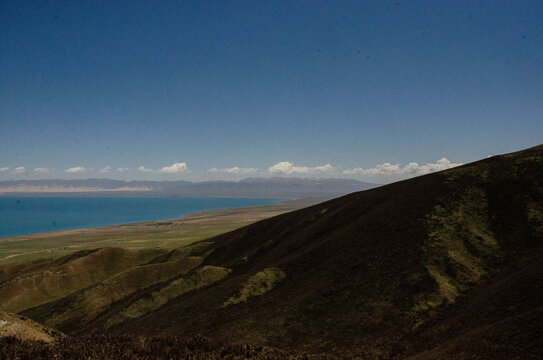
(29, 215)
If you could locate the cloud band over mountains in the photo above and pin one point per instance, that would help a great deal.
(386, 170)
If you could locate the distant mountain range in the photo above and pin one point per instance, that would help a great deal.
(250, 187)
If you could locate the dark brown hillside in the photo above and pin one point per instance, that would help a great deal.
(501, 320)
(388, 271)
(446, 265)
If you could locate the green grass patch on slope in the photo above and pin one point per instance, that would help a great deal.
(460, 244)
(257, 285)
(203, 276)
(534, 213)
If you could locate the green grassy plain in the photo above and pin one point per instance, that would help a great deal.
(163, 234)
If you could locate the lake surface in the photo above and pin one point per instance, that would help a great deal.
(29, 215)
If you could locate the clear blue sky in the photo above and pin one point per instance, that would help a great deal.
(250, 84)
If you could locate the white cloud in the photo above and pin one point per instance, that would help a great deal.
(234, 170)
(19, 170)
(238, 170)
(174, 168)
(411, 169)
(42, 170)
(441, 164)
(324, 168)
(105, 169)
(123, 169)
(77, 169)
(4, 168)
(143, 169)
(287, 167)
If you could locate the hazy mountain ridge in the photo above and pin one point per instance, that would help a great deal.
(250, 187)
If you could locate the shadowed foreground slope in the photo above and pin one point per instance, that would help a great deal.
(416, 264)
(131, 348)
(446, 265)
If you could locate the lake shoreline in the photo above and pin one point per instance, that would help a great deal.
(24, 216)
(165, 233)
(287, 202)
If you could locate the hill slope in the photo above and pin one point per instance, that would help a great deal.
(445, 265)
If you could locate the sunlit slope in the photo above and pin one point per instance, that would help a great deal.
(367, 271)
(15, 326)
(72, 291)
(23, 287)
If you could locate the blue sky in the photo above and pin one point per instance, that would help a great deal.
(229, 89)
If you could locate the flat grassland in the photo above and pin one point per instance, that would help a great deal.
(164, 234)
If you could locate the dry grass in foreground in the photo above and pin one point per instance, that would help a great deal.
(132, 348)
